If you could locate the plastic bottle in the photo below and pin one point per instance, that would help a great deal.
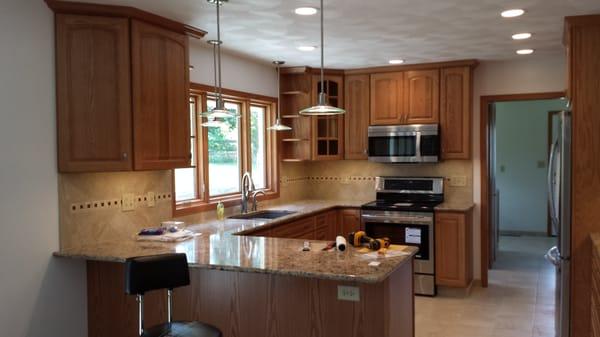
(220, 211)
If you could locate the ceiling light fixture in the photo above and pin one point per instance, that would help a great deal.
(306, 11)
(512, 13)
(307, 48)
(219, 110)
(525, 51)
(322, 108)
(521, 36)
(397, 61)
(278, 126)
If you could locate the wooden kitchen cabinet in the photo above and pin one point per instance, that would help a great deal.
(455, 112)
(357, 91)
(160, 77)
(299, 229)
(421, 97)
(453, 249)
(349, 221)
(93, 94)
(328, 131)
(387, 93)
(122, 93)
(326, 226)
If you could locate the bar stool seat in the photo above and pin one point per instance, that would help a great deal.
(182, 329)
(166, 271)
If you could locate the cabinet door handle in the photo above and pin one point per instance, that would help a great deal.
(124, 156)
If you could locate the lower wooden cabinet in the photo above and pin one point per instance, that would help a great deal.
(453, 249)
(323, 226)
(299, 229)
(349, 221)
(595, 293)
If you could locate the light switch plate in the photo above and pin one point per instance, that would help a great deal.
(347, 293)
(128, 202)
(458, 181)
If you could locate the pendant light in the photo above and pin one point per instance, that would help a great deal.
(278, 126)
(322, 108)
(219, 110)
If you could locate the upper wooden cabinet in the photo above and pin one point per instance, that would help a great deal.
(328, 131)
(387, 92)
(421, 97)
(122, 95)
(160, 74)
(357, 90)
(455, 112)
(93, 93)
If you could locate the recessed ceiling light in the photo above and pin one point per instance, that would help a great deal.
(305, 11)
(306, 48)
(525, 51)
(521, 36)
(512, 13)
(397, 61)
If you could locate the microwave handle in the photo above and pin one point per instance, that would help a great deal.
(418, 145)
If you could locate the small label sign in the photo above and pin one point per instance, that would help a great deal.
(346, 293)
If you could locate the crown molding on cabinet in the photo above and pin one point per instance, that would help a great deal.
(386, 69)
(78, 8)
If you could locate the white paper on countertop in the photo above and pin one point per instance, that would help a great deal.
(178, 236)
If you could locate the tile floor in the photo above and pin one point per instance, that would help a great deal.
(519, 301)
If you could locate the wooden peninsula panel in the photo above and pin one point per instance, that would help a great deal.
(257, 304)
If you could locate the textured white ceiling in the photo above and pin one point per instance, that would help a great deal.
(361, 33)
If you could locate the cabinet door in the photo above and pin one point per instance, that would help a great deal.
(455, 113)
(357, 116)
(453, 265)
(328, 131)
(349, 221)
(387, 91)
(421, 99)
(326, 226)
(93, 94)
(299, 229)
(160, 98)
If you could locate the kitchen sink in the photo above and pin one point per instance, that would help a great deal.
(274, 214)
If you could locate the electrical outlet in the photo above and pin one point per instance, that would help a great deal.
(346, 293)
(150, 201)
(128, 202)
(458, 181)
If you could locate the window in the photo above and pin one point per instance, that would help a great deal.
(220, 155)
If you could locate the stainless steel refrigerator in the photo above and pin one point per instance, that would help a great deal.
(559, 192)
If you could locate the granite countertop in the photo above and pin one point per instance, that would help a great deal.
(218, 246)
(455, 206)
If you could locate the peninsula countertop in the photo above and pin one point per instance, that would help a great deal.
(222, 245)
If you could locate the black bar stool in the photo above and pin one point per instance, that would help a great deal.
(166, 271)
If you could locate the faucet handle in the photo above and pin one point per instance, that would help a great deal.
(254, 200)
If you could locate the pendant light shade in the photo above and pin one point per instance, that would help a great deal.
(219, 110)
(322, 108)
(278, 126)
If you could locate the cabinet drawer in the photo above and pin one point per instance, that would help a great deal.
(299, 229)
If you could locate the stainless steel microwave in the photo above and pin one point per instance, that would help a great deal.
(417, 143)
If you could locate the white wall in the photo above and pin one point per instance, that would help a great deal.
(40, 296)
(521, 163)
(238, 73)
(527, 75)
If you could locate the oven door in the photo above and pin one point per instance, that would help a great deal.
(405, 228)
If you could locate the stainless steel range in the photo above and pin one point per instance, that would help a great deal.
(404, 212)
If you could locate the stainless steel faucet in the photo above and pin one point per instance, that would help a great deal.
(254, 200)
(247, 189)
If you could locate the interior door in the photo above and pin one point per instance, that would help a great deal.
(494, 196)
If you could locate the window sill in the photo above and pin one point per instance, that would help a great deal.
(198, 206)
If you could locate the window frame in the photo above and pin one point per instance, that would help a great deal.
(204, 201)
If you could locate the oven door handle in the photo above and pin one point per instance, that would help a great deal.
(392, 219)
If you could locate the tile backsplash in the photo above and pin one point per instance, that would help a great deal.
(91, 204)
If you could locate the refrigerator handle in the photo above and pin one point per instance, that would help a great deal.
(551, 177)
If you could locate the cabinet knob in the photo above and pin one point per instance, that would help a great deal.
(365, 151)
(124, 155)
